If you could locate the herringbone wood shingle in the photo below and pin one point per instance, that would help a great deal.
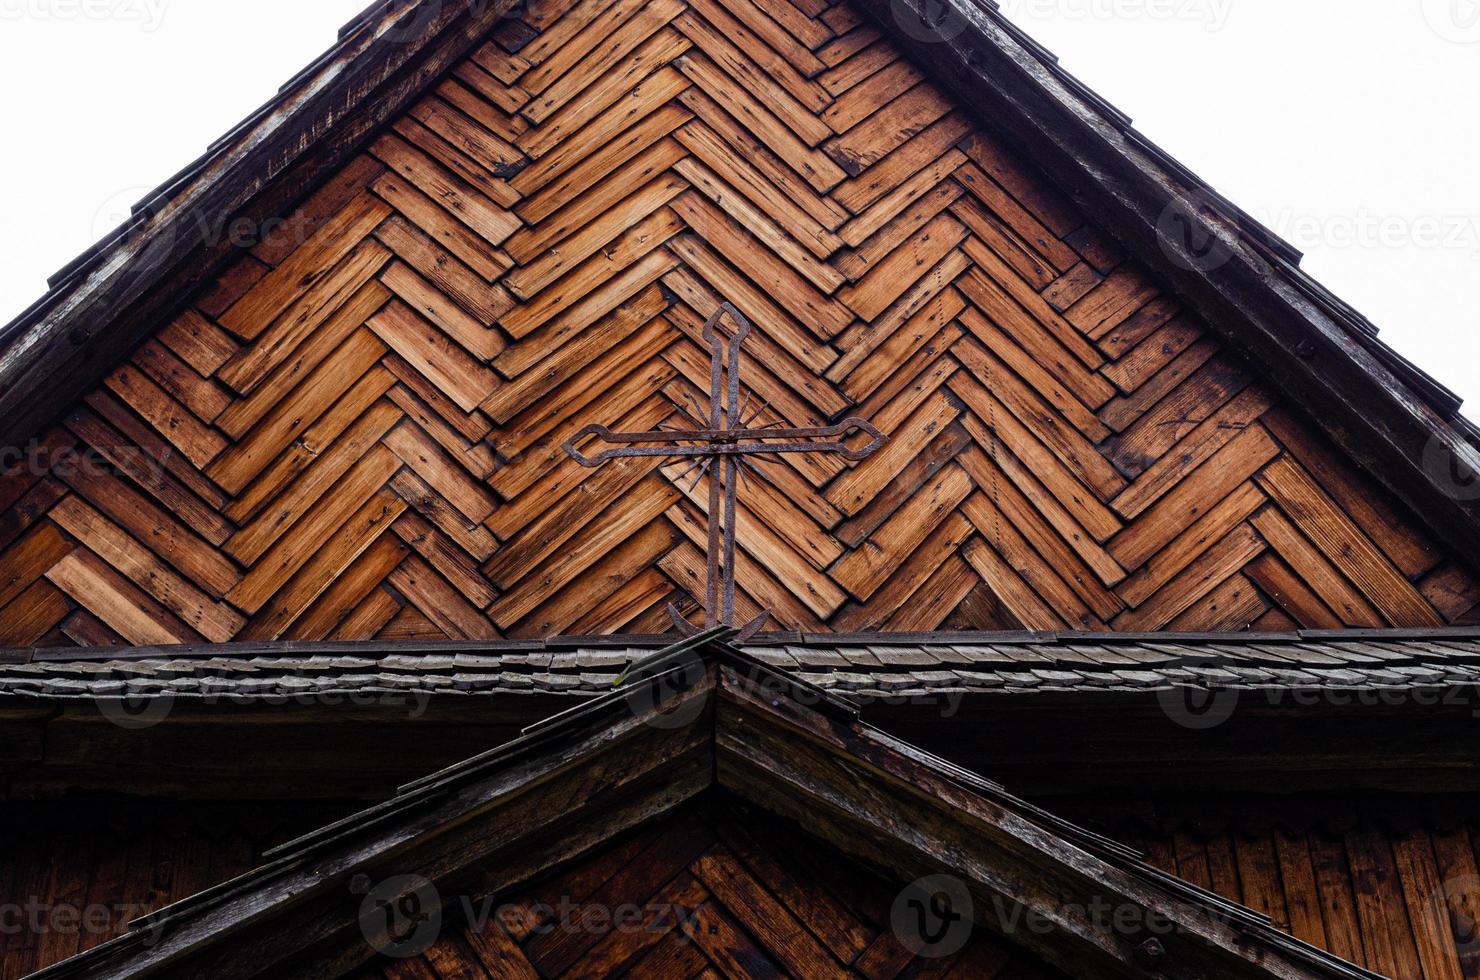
(355, 432)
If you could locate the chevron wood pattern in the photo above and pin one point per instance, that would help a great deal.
(717, 898)
(355, 432)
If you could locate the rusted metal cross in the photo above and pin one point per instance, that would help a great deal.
(723, 449)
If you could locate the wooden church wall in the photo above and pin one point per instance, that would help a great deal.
(356, 432)
(1389, 883)
(72, 877)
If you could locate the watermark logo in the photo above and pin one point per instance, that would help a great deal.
(1458, 901)
(932, 917)
(401, 917)
(660, 700)
(1457, 21)
(1188, 234)
(1459, 478)
(148, 14)
(1198, 709)
(137, 712)
(928, 20)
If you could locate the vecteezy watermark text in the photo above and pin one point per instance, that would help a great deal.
(148, 14)
(39, 917)
(403, 916)
(1368, 230)
(138, 705)
(1205, 708)
(1213, 15)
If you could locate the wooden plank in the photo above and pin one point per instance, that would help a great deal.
(429, 461)
(341, 289)
(1023, 224)
(345, 544)
(239, 465)
(314, 442)
(641, 101)
(431, 352)
(1076, 452)
(642, 216)
(770, 60)
(813, 166)
(315, 258)
(245, 413)
(445, 271)
(635, 318)
(92, 583)
(333, 612)
(591, 291)
(30, 558)
(1203, 490)
(1316, 573)
(600, 162)
(1335, 535)
(650, 163)
(197, 441)
(450, 234)
(652, 57)
(478, 339)
(204, 399)
(198, 342)
(1072, 496)
(609, 40)
(798, 117)
(215, 621)
(863, 570)
(623, 564)
(297, 548)
(470, 536)
(175, 542)
(133, 448)
(721, 223)
(891, 127)
(440, 602)
(782, 935)
(461, 199)
(318, 478)
(1199, 578)
(804, 353)
(1215, 432)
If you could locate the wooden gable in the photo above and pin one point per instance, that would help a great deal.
(721, 891)
(355, 432)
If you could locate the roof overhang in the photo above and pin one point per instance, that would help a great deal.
(1048, 713)
(699, 718)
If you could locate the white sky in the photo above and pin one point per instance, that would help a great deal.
(1352, 127)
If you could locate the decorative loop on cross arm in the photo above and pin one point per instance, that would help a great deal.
(723, 449)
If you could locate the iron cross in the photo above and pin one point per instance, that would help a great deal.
(723, 449)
